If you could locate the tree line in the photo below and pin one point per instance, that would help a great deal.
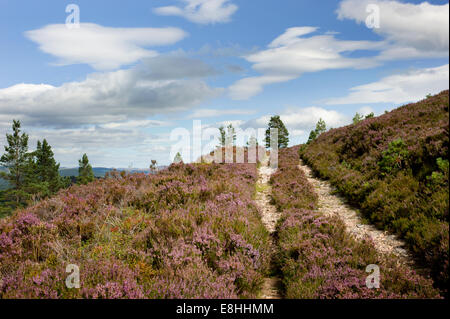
(33, 175)
(228, 134)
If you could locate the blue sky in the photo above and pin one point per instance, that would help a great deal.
(118, 85)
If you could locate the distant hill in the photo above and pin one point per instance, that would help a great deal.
(98, 172)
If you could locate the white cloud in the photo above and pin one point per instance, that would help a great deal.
(251, 86)
(136, 124)
(159, 85)
(103, 48)
(203, 113)
(235, 123)
(201, 11)
(408, 31)
(400, 88)
(299, 120)
(297, 133)
(412, 30)
(109, 147)
(290, 55)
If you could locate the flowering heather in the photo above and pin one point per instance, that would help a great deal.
(191, 231)
(395, 168)
(316, 256)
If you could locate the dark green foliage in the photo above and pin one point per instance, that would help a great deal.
(357, 118)
(85, 173)
(283, 134)
(312, 137)
(47, 170)
(30, 175)
(395, 158)
(369, 116)
(15, 157)
(321, 127)
(222, 138)
(178, 159)
(440, 177)
(395, 168)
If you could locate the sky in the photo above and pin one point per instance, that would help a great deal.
(116, 79)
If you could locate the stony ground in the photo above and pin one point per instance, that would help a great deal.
(331, 204)
(269, 217)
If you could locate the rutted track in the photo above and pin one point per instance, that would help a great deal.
(270, 216)
(331, 204)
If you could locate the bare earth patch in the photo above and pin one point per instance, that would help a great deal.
(331, 204)
(269, 216)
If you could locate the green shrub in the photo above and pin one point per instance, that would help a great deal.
(394, 158)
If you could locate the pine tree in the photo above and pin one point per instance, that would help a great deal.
(283, 134)
(357, 118)
(178, 159)
(15, 160)
(231, 134)
(153, 166)
(85, 172)
(222, 138)
(312, 136)
(47, 170)
(370, 115)
(321, 127)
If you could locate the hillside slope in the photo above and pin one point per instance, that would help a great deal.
(395, 168)
(191, 231)
(318, 257)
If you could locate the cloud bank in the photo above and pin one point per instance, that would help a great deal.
(291, 55)
(103, 48)
(399, 88)
(159, 85)
(411, 30)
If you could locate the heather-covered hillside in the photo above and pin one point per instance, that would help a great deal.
(395, 168)
(191, 231)
(319, 258)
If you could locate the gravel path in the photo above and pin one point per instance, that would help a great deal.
(269, 216)
(331, 204)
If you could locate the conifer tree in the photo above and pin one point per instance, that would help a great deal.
(357, 118)
(321, 127)
(222, 137)
(312, 136)
(231, 134)
(178, 159)
(15, 157)
(16, 160)
(283, 134)
(85, 172)
(153, 166)
(47, 170)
